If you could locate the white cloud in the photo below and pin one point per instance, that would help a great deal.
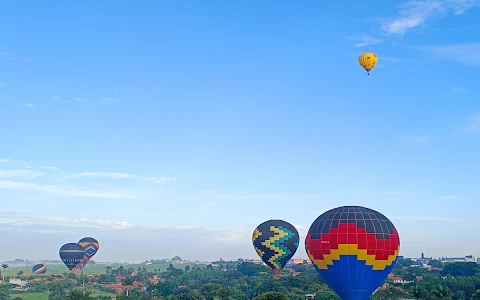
(467, 53)
(81, 99)
(427, 219)
(364, 40)
(59, 190)
(56, 97)
(417, 139)
(212, 194)
(113, 175)
(7, 55)
(37, 219)
(301, 228)
(30, 105)
(19, 173)
(27, 165)
(3, 84)
(455, 88)
(416, 13)
(473, 123)
(138, 242)
(111, 100)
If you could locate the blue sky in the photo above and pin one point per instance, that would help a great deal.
(178, 127)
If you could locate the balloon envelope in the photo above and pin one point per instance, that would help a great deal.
(275, 241)
(353, 248)
(90, 247)
(39, 269)
(368, 60)
(71, 254)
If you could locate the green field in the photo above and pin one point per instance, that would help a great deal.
(44, 295)
(57, 269)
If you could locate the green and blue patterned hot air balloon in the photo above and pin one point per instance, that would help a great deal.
(275, 241)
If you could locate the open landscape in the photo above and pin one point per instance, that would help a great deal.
(422, 278)
(239, 150)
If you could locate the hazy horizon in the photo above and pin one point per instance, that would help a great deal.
(166, 129)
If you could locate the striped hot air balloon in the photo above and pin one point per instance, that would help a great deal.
(39, 269)
(353, 248)
(71, 254)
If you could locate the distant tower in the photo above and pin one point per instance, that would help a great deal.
(423, 256)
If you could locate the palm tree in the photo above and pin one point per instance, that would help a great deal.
(4, 266)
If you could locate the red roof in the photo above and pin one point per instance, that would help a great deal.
(137, 283)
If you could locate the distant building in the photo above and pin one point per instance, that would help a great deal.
(296, 261)
(466, 258)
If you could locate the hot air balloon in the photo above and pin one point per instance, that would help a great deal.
(71, 254)
(39, 269)
(90, 247)
(353, 248)
(275, 241)
(368, 60)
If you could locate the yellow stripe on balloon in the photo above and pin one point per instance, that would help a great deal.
(256, 234)
(352, 249)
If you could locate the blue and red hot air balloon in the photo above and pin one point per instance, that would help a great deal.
(353, 248)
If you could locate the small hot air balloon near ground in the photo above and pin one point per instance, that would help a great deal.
(353, 248)
(275, 241)
(368, 60)
(39, 269)
(71, 254)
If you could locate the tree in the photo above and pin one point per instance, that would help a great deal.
(419, 292)
(187, 268)
(210, 290)
(128, 280)
(442, 292)
(78, 295)
(4, 266)
(108, 270)
(476, 295)
(82, 279)
(57, 292)
(271, 296)
(4, 292)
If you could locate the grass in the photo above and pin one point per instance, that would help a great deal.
(95, 269)
(30, 296)
(44, 295)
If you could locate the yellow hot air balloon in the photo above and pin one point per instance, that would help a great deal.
(368, 60)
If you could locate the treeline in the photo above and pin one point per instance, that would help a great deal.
(246, 281)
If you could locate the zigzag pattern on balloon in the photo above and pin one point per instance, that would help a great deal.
(274, 244)
(348, 239)
(377, 265)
